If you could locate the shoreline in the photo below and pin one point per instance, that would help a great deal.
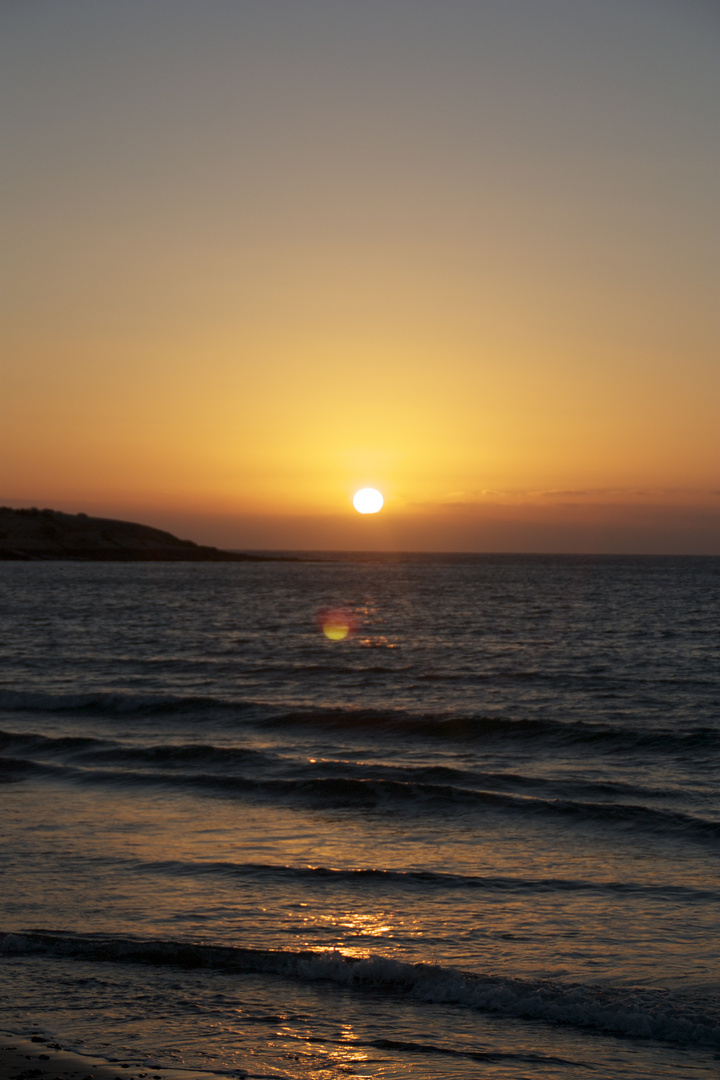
(34, 1057)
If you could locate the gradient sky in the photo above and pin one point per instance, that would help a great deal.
(260, 254)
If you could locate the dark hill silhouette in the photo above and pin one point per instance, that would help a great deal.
(50, 534)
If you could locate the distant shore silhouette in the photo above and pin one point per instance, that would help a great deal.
(33, 535)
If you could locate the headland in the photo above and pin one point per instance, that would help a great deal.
(50, 534)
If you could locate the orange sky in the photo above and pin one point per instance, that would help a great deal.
(259, 255)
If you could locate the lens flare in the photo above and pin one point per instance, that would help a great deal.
(368, 501)
(335, 623)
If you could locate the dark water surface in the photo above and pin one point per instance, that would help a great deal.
(477, 837)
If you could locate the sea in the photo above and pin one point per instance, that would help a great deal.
(365, 816)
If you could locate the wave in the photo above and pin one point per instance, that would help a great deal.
(106, 751)
(528, 1058)
(111, 702)
(373, 878)
(248, 773)
(637, 1012)
(88, 750)
(346, 792)
(20, 769)
(392, 722)
(481, 729)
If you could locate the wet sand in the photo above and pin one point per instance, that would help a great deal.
(35, 1058)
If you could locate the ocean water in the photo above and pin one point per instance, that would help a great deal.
(477, 837)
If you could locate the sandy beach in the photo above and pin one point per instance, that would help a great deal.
(35, 1058)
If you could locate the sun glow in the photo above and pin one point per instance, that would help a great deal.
(368, 501)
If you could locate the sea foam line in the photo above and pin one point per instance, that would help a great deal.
(634, 1012)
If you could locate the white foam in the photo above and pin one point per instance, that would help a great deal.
(630, 1011)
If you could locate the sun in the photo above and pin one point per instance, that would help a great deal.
(368, 501)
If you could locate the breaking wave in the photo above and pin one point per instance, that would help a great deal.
(636, 1012)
